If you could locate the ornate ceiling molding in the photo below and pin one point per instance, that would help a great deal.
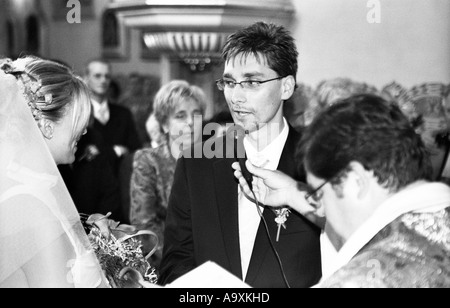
(196, 49)
(196, 29)
(228, 15)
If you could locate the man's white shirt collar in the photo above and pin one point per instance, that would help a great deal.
(100, 110)
(269, 157)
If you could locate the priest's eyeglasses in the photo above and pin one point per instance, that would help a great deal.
(315, 195)
(223, 84)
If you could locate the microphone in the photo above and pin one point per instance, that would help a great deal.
(239, 153)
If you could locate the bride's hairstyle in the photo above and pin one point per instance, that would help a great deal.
(43, 243)
(51, 89)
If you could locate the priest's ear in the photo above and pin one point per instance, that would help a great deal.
(47, 128)
(362, 179)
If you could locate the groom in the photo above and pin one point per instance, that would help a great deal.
(209, 218)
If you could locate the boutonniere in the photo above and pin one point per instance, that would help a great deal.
(282, 216)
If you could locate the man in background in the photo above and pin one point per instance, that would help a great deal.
(114, 122)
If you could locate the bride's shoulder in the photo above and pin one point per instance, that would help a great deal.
(25, 209)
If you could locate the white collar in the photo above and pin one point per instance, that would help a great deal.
(97, 104)
(270, 156)
(421, 197)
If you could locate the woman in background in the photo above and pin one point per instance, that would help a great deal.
(178, 108)
(44, 111)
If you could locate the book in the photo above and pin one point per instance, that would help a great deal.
(208, 275)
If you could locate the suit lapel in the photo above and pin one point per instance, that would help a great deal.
(288, 163)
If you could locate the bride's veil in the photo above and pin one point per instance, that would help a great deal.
(42, 242)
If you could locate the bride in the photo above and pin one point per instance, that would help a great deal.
(44, 110)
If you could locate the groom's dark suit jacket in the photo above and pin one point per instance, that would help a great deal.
(202, 225)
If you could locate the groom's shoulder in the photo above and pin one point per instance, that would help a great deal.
(208, 151)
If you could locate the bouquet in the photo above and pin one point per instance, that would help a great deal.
(122, 251)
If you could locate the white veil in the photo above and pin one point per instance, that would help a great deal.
(42, 241)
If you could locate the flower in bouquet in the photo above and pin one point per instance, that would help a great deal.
(119, 247)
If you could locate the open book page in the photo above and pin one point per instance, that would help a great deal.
(208, 275)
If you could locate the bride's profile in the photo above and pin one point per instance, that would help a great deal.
(44, 110)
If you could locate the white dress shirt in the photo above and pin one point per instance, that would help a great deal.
(249, 218)
(101, 110)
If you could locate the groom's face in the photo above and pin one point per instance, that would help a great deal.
(252, 108)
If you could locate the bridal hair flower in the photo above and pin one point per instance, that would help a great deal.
(30, 85)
